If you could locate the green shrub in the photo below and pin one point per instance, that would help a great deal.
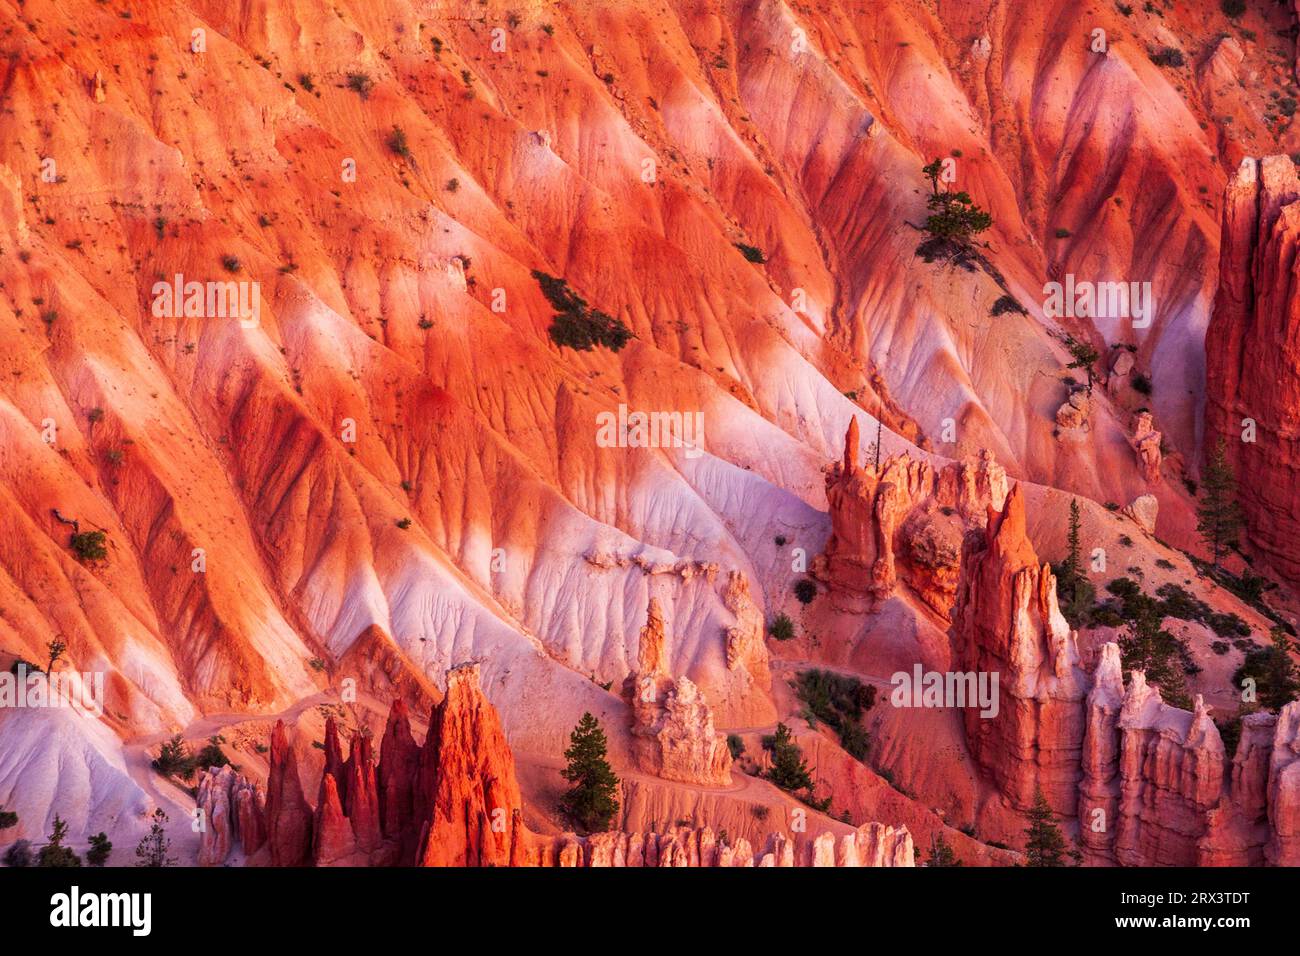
(789, 770)
(20, 854)
(54, 853)
(1007, 304)
(1277, 681)
(805, 590)
(781, 628)
(361, 84)
(397, 143)
(212, 755)
(839, 701)
(575, 325)
(89, 546)
(736, 746)
(752, 253)
(174, 759)
(100, 848)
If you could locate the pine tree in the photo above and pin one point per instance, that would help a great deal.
(1084, 355)
(1070, 566)
(1073, 589)
(941, 854)
(592, 801)
(1151, 649)
(54, 853)
(100, 848)
(954, 216)
(56, 648)
(789, 770)
(1218, 514)
(1277, 680)
(1044, 842)
(153, 848)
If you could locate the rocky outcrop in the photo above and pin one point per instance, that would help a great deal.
(1006, 622)
(672, 726)
(288, 814)
(1099, 789)
(1154, 791)
(1237, 829)
(904, 517)
(1143, 511)
(334, 843)
(1074, 412)
(871, 845)
(399, 762)
(1171, 775)
(467, 800)
(452, 802)
(1284, 790)
(459, 794)
(1252, 352)
(233, 812)
(746, 649)
(1146, 443)
(345, 826)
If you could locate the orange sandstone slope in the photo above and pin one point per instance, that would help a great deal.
(395, 452)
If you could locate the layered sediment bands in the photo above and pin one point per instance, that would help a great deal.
(1237, 829)
(1155, 792)
(1252, 350)
(902, 516)
(1145, 790)
(1171, 775)
(1006, 622)
(672, 726)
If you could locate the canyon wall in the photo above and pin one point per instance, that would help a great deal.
(1252, 349)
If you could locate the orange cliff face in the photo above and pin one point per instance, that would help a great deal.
(1006, 622)
(1252, 353)
(386, 465)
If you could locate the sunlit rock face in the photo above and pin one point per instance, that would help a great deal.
(274, 296)
(1006, 621)
(1252, 353)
